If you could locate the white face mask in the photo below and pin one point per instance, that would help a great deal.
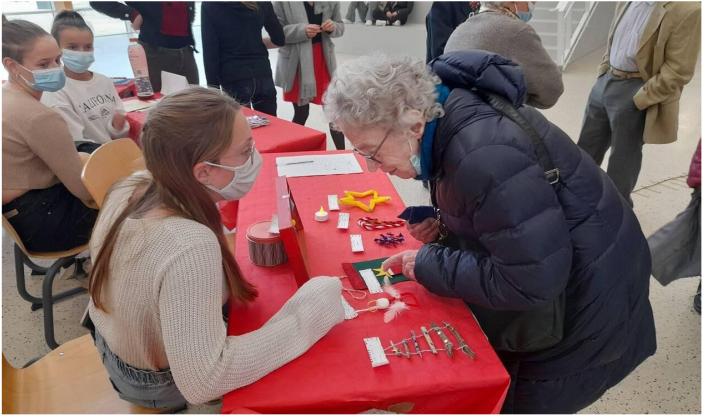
(244, 177)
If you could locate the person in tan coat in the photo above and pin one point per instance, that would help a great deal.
(651, 54)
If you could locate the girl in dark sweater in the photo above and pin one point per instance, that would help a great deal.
(234, 53)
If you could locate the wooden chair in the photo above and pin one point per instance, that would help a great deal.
(63, 259)
(70, 379)
(111, 162)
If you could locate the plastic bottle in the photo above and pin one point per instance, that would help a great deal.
(138, 60)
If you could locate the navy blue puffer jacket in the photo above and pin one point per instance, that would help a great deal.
(528, 241)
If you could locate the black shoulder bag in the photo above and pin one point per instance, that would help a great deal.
(541, 327)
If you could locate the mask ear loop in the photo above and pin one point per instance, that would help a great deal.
(356, 294)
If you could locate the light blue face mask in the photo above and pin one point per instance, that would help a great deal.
(47, 80)
(415, 160)
(526, 16)
(77, 61)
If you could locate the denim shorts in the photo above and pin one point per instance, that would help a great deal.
(154, 389)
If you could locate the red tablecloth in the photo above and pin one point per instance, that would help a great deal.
(279, 136)
(335, 375)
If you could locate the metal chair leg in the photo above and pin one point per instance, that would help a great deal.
(60, 263)
(36, 269)
(19, 274)
(48, 298)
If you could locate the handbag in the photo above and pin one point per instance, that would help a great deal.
(527, 330)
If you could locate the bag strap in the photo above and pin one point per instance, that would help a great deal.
(504, 107)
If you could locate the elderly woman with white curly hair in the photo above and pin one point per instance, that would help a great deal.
(525, 228)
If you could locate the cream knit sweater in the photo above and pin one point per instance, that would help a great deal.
(164, 301)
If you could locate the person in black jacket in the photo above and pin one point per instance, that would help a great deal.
(165, 34)
(442, 20)
(234, 53)
(394, 13)
(512, 233)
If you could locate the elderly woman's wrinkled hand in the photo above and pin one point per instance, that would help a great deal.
(404, 262)
(426, 231)
(328, 26)
(312, 30)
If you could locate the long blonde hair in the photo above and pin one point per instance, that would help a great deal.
(185, 128)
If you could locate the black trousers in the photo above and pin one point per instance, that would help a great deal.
(258, 92)
(300, 117)
(51, 219)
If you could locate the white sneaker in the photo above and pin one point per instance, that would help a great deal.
(368, 23)
(346, 21)
(396, 23)
(381, 23)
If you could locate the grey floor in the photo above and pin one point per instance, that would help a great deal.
(668, 382)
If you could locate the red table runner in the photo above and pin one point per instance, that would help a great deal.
(279, 136)
(335, 375)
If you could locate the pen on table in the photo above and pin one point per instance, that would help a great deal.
(298, 162)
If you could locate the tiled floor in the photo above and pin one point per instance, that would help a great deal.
(668, 382)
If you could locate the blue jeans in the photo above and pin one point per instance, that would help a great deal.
(154, 389)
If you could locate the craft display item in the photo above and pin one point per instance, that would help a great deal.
(390, 239)
(333, 203)
(356, 243)
(256, 121)
(402, 348)
(350, 199)
(369, 223)
(343, 220)
(264, 248)
(321, 215)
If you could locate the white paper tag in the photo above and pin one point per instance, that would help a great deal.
(274, 225)
(343, 220)
(376, 352)
(350, 312)
(371, 281)
(356, 243)
(333, 203)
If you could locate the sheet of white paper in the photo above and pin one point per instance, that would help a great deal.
(172, 83)
(133, 105)
(318, 165)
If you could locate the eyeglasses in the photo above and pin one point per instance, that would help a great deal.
(371, 157)
(250, 159)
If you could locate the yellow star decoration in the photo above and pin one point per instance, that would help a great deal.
(350, 199)
(384, 274)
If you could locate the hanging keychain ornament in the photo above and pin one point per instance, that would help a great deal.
(370, 223)
(390, 239)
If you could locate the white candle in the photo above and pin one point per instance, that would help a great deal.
(321, 215)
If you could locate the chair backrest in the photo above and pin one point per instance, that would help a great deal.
(9, 229)
(70, 379)
(111, 162)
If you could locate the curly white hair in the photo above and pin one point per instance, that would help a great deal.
(377, 91)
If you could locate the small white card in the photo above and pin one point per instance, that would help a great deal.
(333, 203)
(375, 352)
(356, 243)
(371, 281)
(343, 220)
(274, 225)
(172, 83)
